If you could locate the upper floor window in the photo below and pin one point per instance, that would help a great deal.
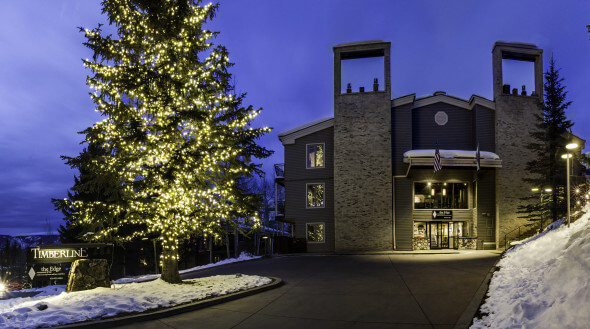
(440, 196)
(315, 195)
(315, 155)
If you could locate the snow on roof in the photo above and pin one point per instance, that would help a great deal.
(451, 154)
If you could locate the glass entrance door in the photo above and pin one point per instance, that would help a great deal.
(442, 235)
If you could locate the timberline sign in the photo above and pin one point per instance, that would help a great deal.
(67, 253)
(52, 262)
(58, 255)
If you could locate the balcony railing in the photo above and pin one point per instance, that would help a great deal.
(279, 170)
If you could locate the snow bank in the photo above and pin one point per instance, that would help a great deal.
(243, 257)
(64, 308)
(544, 282)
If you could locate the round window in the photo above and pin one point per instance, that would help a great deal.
(441, 118)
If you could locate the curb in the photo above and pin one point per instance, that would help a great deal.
(468, 314)
(166, 312)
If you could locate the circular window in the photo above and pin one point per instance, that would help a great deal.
(441, 118)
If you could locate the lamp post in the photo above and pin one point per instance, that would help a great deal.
(535, 190)
(567, 158)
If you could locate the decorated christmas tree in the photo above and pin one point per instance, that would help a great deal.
(176, 136)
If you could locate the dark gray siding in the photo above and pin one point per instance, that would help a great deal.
(403, 213)
(296, 178)
(486, 204)
(295, 158)
(401, 136)
(455, 135)
(483, 128)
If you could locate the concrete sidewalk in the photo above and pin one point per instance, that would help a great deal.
(422, 290)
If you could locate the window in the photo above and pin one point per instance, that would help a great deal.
(420, 229)
(315, 195)
(315, 232)
(315, 156)
(440, 196)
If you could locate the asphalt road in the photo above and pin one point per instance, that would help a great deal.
(348, 291)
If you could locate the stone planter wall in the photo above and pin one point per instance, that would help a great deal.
(467, 243)
(420, 244)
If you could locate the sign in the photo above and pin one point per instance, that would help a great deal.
(51, 272)
(50, 263)
(67, 253)
(442, 214)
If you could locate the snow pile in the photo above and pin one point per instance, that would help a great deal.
(544, 282)
(244, 256)
(64, 308)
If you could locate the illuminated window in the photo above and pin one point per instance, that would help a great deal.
(315, 155)
(315, 195)
(420, 229)
(315, 232)
(440, 195)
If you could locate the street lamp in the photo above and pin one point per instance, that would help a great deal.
(546, 190)
(567, 157)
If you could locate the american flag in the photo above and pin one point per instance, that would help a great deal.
(437, 163)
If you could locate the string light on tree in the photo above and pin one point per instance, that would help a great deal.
(175, 136)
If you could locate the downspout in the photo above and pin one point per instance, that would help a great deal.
(393, 202)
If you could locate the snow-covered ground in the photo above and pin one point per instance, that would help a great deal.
(53, 306)
(543, 282)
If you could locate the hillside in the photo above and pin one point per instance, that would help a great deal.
(543, 282)
(28, 241)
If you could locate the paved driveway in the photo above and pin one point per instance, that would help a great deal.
(348, 291)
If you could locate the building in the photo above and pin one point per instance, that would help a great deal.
(364, 179)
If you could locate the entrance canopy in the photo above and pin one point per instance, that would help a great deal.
(453, 158)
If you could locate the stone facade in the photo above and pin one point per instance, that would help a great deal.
(362, 159)
(515, 119)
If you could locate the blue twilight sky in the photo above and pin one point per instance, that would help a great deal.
(284, 61)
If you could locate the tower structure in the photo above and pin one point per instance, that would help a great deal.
(362, 153)
(515, 119)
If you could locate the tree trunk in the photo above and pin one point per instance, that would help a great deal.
(227, 245)
(211, 250)
(236, 243)
(169, 258)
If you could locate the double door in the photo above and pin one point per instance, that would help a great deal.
(443, 234)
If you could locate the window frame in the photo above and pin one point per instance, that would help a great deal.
(307, 156)
(307, 224)
(324, 196)
(469, 198)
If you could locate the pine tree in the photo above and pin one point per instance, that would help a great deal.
(175, 134)
(73, 231)
(550, 139)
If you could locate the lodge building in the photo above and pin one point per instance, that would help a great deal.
(364, 179)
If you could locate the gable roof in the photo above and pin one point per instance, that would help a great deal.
(289, 136)
(442, 97)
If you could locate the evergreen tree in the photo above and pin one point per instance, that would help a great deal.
(550, 139)
(73, 231)
(175, 135)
